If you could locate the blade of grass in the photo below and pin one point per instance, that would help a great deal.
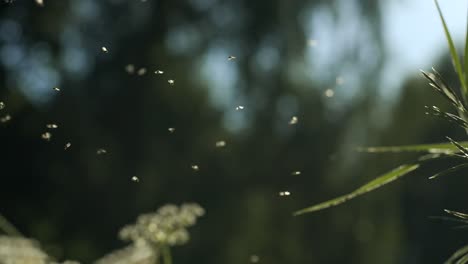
(457, 214)
(461, 148)
(465, 55)
(430, 148)
(459, 253)
(453, 53)
(370, 186)
(463, 260)
(441, 86)
(450, 219)
(435, 111)
(437, 156)
(450, 170)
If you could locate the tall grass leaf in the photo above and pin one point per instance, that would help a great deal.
(460, 147)
(463, 260)
(370, 186)
(457, 214)
(453, 51)
(458, 255)
(441, 86)
(437, 156)
(448, 171)
(465, 55)
(435, 111)
(445, 148)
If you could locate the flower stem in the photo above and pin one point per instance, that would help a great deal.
(166, 255)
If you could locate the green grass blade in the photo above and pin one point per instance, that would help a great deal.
(465, 55)
(457, 255)
(460, 147)
(370, 186)
(456, 214)
(446, 148)
(463, 260)
(448, 171)
(453, 52)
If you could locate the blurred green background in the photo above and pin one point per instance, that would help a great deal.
(288, 55)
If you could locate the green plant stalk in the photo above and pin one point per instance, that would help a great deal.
(465, 57)
(368, 187)
(166, 254)
(453, 53)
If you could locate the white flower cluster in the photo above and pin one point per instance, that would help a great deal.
(21, 250)
(137, 253)
(167, 226)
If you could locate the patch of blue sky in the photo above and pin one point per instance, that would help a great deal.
(415, 39)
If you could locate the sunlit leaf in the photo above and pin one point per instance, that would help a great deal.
(370, 186)
(446, 147)
(453, 51)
